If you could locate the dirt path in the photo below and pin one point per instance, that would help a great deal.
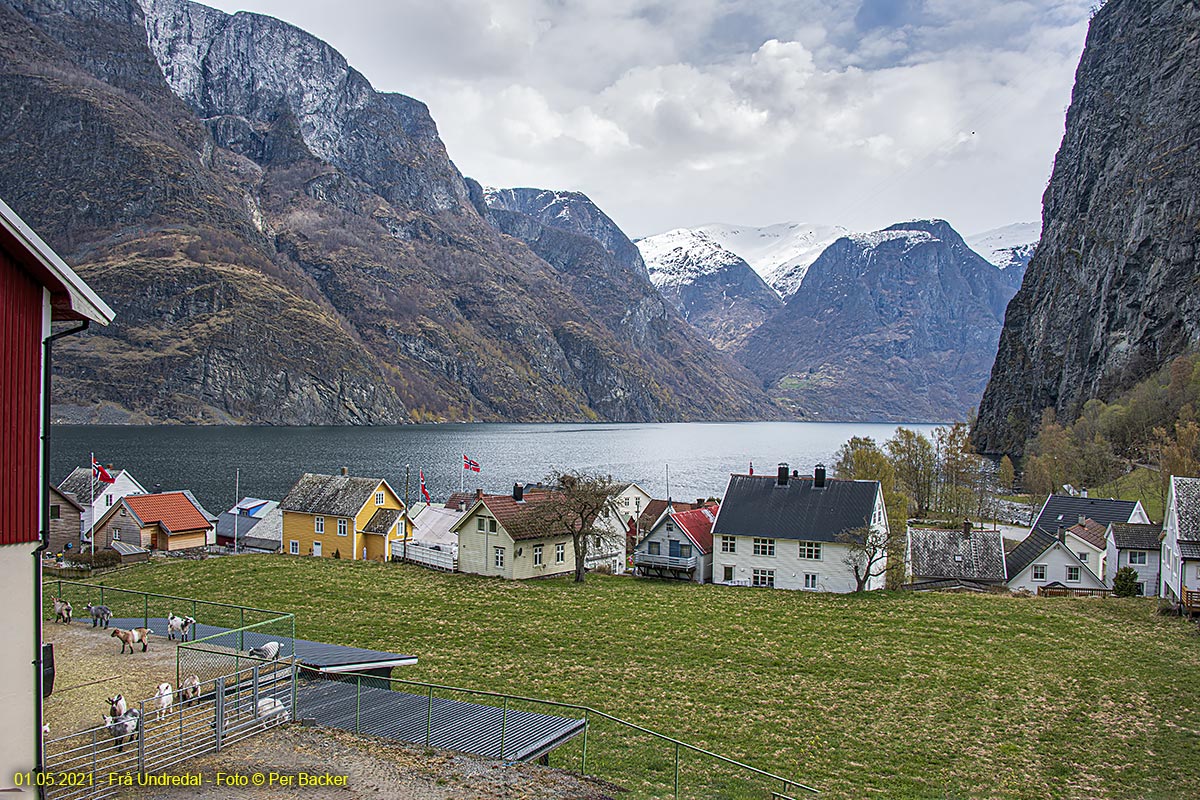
(373, 768)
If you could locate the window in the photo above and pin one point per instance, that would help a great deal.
(379, 498)
(480, 524)
(294, 547)
(764, 547)
(728, 574)
(116, 534)
(810, 580)
(1137, 557)
(810, 550)
(1039, 572)
(108, 500)
(1082, 556)
(652, 548)
(341, 527)
(625, 501)
(1073, 574)
(55, 512)
(537, 555)
(685, 551)
(491, 526)
(560, 553)
(498, 552)
(728, 544)
(318, 524)
(763, 577)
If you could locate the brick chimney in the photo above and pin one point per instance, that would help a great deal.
(345, 470)
(518, 493)
(819, 477)
(781, 478)
(966, 528)
(478, 495)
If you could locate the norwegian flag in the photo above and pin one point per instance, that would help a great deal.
(424, 491)
(469, 464)
(100, 473)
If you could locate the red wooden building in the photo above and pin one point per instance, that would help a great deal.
(36, 289)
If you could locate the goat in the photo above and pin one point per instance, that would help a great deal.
(116, 705)
(100, 615)
(175, 625)
(131, 637)
(189, 690)
(123, 726)
(268, 652)
(162, 701)
(271, 710)
(62, 610)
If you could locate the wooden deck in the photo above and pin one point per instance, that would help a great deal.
(1067, 591)
(1191, 602)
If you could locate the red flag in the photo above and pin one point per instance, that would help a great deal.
(424, 492)
(469, 464)
(100, 473)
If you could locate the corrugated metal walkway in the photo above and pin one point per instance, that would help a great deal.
(449, 724)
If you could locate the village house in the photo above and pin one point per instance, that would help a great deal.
(1131, 544)
(1088, 540)
(791, 532)
(959, 559)
(434, 543)
(650, 516)
(510, 536)
(242, 520)
(36, 289)
(1061, 511)
(165, 521)
(1181, 543)
(616, 523)
(343, 516)
(1044, 560)
(678, 546)
(95, 496)
(65, 514)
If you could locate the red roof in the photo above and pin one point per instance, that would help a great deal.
(172, 510)
(1091, 532)
(697, 524)
(523, 520)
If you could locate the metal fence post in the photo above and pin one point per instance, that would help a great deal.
(586, 725)
(242, 629)
(676, 770)
(503, 724)
(145, 610)
(102, 594)
(295, 678)
(358, 705)
(254, 686)
(219, 716)
(429, 718)
(93, 752)
(141, 734)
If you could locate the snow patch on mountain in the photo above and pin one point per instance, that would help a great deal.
(681, 256)
(780, 253)
(1009, 245)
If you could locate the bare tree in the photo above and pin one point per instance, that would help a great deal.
(576, 506)
(868, 552)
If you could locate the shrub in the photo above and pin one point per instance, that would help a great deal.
(102, 559)
(337, 553)
(1125, 582)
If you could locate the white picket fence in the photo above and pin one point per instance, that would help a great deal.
(442, 558)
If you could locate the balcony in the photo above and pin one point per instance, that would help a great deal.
(672, 563)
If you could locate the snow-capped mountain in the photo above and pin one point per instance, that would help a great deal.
(1007, 246)
(714, 289)
(780, 253)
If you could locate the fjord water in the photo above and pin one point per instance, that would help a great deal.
(700, 455)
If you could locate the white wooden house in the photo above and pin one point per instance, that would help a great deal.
(505, 536)
(97, 497)
(1130, 544)
(1045, 560)
(679, 546)
(1181, 540)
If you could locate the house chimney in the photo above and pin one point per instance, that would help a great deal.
(518, 493)
(1062, 534)
(819, 477)
(782, 478)
(462, 506)
(1083, 492)
(966, 528)
(478, 495)
(1082, 519)
(699, 503)
(345, 470)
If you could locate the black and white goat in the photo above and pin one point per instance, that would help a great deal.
(124, 727)
(180, 625)
(189, 690)
(267, 652)
(100, 615)
(116, 705)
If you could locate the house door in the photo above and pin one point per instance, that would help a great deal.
(317, 549)
(674, 548)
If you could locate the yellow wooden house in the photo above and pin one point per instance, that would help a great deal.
(343, 516)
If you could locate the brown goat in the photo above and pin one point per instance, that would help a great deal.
(131, 637)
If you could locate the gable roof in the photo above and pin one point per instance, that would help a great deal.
(67, 496)
(382, 521)
(518, 518)
(1024, 554)
(1186, 494)
(84, 485)
(1091, 532)
(332, 495)
(246, 522)
(467, 498)
(1064, 510)
(937, 554)
(697, 524)
(754, 505)
(172, 511)
(1135, 535)
(655, 508)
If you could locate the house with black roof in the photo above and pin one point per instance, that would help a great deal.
(1063, 511)
(1131, 544)
(1045, 560)
(789, 531)
(1181, 543)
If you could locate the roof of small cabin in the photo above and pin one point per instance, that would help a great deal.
(70, 498)
(519, 518)
(382, 521)
(697, 524)
(756, 505)
(1036, 543)
(655, 508)
(1187, 508)
(1064, 510)
(432, 524)
(332, 495)
(1091, 532)
(127, 549)
(173, 511)
(1135, 535)
(84, 485)
(936, 554)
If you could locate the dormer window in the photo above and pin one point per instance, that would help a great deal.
(379, 498)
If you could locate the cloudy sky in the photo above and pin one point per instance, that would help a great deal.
(673, 113)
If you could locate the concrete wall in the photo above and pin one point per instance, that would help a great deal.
(18, 687)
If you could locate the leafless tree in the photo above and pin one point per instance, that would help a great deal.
(576, 506)
(867, 556)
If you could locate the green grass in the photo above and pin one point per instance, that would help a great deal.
(886, 695)
(1140, 484)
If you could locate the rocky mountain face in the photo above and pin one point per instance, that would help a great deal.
(1009, 247)
(780, 253)
(900, 324)
(285, 245)
(1113, 291)
(714, 289)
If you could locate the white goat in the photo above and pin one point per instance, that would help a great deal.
(62, 610)
(131, 637)
(116, 705)
(189, 690)
(162, 701)
(176, 625)
(122, 727)
(271, 710)
(268, 652)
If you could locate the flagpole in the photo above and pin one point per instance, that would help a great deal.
(92, 518)
(462, 475)
(237, 499)
(404, 520)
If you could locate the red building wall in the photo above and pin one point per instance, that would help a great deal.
(20, 402)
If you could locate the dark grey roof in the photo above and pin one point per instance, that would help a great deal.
(1135, 535)
(1189, 550)
(84, 485)
(1036, 543)
(382, 520)
(322, 655)
(1065, 510)
(755, 506)
(949, 554)
(947, 585)
(335, 495)
(1187, 507)
(70, 498)
(244, 525)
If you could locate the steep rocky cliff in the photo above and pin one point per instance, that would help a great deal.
(900, 324)
(1113, 291)
(285, 245)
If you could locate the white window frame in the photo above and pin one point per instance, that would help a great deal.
(764, 547)
(810, 551)
(1083, 556)
(728, 544)
(731, 570)
(318, 525)
(537, 555)
(343, 527)
(1144, 558)
(498, 557)
(293, 547)
(764, 578)
(1078, 574)
(379, 498)
(560, 552)
(811, 581)
(1033, 572)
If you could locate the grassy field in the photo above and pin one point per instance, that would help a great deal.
(886, 695)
